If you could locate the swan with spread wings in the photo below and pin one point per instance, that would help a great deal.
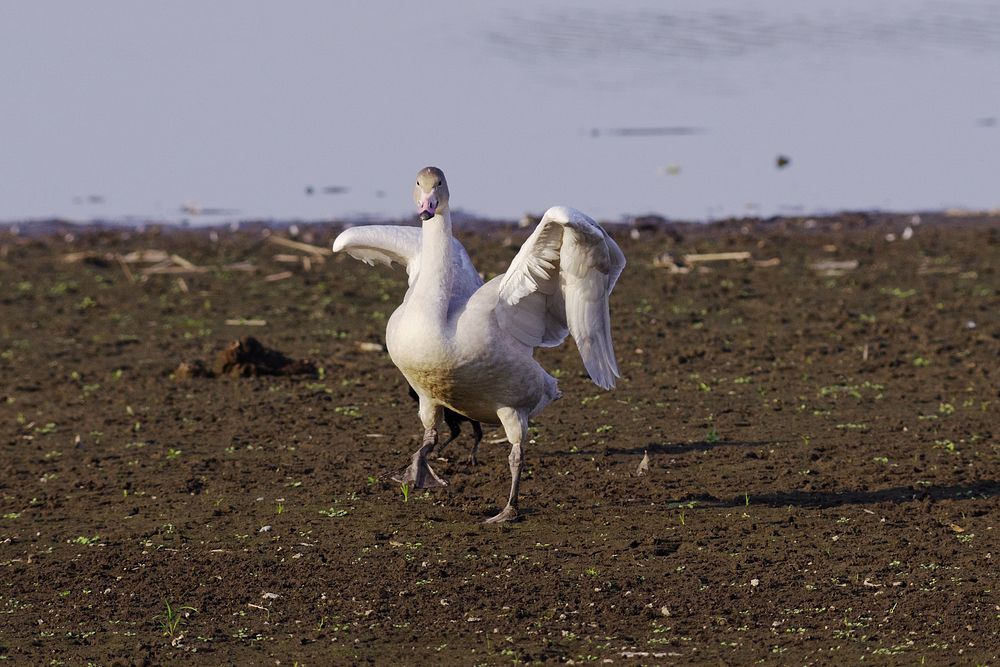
(468, 346)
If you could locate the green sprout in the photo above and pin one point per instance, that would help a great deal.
(172, 621)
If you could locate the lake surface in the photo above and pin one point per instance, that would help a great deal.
(313, 110)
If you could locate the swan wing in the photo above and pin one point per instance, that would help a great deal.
(395, 244)
(382, 244)
(559, 283)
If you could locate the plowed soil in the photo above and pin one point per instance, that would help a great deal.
(823, 484)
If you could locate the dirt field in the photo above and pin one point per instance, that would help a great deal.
(823, 488)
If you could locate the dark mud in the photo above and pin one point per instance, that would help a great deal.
(823, 488)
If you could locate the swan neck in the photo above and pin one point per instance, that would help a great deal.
(434, 283)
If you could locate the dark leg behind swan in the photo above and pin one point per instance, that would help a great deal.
(454, 422)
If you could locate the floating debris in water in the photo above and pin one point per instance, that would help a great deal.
(676, 131)
(89, 199)
(193, 208)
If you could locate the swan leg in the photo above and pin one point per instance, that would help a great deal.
(477, 433)
(454, 430)
(516, 425)
(419, 473)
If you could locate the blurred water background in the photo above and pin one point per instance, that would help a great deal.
(693, 109)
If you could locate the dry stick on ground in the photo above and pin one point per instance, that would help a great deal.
(717, 257)
(146, 256)
(124, 266)
(298, 245)
(180, 261)
(79, 256)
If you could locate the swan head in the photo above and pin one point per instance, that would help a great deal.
(430, 194)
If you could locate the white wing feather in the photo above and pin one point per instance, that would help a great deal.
(560, 282)
(395, 244)
(382, 244)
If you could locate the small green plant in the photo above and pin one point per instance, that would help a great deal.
(173, 453)
(405, 490)
(83, 540)
(746, 498)
(172, 621)
(713, 436)
(333, 512)
(280, 508)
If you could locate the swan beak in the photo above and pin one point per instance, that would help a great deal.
(427, 206)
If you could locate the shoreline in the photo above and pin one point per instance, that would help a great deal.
(470, 223)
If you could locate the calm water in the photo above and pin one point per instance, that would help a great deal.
(235, 109)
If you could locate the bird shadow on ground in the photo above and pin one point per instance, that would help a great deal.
(819, 499)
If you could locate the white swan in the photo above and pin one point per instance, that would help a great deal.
(468, 346)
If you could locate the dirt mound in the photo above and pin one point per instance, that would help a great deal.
(247, 357)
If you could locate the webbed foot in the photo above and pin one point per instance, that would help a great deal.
(419, 475)
(508, 513)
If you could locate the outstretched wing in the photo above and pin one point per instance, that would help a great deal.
(382, 244)
(560, 282)
(394, 244)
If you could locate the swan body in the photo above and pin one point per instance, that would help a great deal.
(468, 346)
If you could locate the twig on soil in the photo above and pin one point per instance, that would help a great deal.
(242, 322)
(180, 261)
(717, 257)
(147, 256)
(834, 267)
(665, 261)
(281, 275)
(124, 266)
(159, 269)
(79, 256)
(298, 245)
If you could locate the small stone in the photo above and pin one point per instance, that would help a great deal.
(264, 529)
